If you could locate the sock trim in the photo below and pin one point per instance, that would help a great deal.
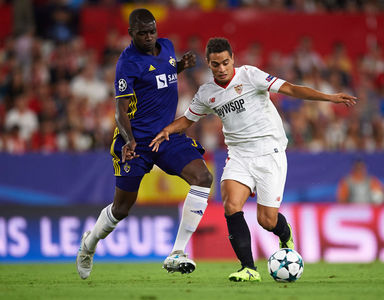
(200, 188)
(110, 215)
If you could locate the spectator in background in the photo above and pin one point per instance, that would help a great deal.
(359, 186)
(87, 85)
(22, 117)
(306, 58)
(12, 142)
(63, 24)
(112, 48)
(45, 140)
(195, 45)
(253, 55)
(23, 16)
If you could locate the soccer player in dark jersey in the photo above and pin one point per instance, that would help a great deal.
(146, 101)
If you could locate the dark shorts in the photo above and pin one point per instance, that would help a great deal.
(172, 157)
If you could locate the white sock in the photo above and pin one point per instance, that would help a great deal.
(105, 224)
(194, 206)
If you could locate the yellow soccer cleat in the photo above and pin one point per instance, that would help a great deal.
(288, 244)
(245, 274)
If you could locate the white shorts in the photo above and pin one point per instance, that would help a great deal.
(264, 175)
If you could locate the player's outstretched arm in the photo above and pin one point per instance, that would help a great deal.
(178, 125)
(187, 61)
(307, 93)
(124, 125)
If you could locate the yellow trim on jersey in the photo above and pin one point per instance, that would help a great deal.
(115, 158)
(132, 106)
(123, 96)
(116, 132)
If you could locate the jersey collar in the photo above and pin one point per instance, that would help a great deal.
(224, 86)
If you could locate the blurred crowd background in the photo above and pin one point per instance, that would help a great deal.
(57, 94)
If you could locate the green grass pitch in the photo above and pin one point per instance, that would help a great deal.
(148, 281)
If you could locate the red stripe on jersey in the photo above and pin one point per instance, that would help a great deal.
(271, 84)
(196, 113)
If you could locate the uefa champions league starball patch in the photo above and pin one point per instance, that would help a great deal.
(122, 85)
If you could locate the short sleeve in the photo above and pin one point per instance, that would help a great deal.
(126, 74)
(197, 109)
(264, 81)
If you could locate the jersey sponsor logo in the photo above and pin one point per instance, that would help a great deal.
(122, 85)
(238, 88)
(161, 81)
(236, 106)
(269, 78)
(151, 68)
(172, 78)
(172, 61)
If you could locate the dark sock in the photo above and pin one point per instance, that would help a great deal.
(240, 239)
(282, 229)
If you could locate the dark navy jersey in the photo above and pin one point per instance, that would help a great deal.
(151, 81)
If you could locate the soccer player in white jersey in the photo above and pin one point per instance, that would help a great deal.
(256, 142)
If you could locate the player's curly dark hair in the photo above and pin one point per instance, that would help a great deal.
(217, 45)
(141, 15)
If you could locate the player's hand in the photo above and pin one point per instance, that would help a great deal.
(343, 98)
(163, 135)
(188, 60)
(128, 151)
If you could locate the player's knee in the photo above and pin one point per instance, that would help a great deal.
(230, 208)
(203, 178)
(120, 212)
(267, 222)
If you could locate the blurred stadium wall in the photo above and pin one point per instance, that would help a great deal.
(47, 201)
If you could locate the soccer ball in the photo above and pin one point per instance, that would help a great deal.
(285, 265)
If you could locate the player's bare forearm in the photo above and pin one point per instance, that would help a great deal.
(179, 125)
(122, 120)
(125, 130)
(308, 93)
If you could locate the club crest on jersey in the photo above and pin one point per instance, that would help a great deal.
(127, 168)
(122, 85)
(172, 61)
(239, 88)
(212, 100)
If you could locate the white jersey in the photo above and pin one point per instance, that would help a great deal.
(251, 124)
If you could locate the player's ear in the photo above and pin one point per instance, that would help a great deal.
(130, 31)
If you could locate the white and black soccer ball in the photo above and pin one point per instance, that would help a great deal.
(285, 265)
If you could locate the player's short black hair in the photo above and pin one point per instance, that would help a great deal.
(141, 15)
(217, 45)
